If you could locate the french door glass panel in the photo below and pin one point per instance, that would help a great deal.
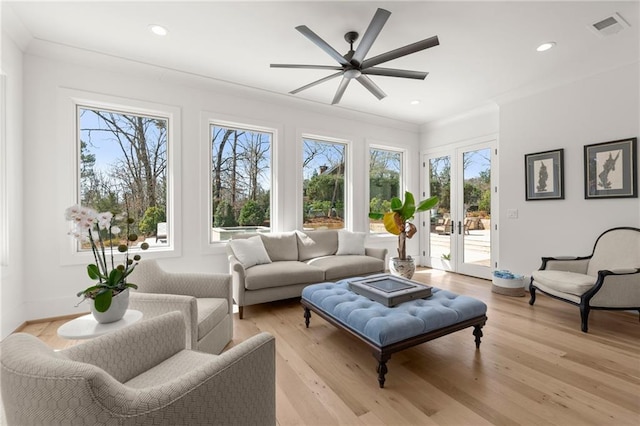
(474, 225)
(440, 243)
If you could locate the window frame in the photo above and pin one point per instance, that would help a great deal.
(348, 176)
(70, 102)
(401, 187)
(275, 203)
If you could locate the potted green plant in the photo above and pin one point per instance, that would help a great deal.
(397, 221)
(110, 294)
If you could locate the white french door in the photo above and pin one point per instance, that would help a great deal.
(460, 237)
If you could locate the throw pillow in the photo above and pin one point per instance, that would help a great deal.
(250, 251)
(350, 242)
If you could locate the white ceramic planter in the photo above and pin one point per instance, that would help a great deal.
(119, 305)
(402, 268)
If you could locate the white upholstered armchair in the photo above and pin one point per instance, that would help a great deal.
(205, 301)
(139, 375)
(609, 278)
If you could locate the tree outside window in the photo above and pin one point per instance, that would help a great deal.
(123, 168)
(240, 181)
(323, 170)
(385, 171)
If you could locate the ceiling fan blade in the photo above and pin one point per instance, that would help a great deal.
(371, 86)
(322, 80)
(401, 51)
(392, 72)
(310, 67)
(370, 35)
(341, 88)
(315, 38)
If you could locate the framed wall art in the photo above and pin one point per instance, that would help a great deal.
(544, 175)
(611, 169)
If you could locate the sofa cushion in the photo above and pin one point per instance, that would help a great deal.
(280, 274)
(250, 251)
(565, 282)
(350, 242)
(336, 267)
(281, 246)
(211, 311)
(316, 243)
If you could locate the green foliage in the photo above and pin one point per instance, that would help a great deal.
(384, 187)
(224, 216)
(378, 205)
(152, 216)
(322, 187)
(252, 213)
(472, 194)
(485, 202)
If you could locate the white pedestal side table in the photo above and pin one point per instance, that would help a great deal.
(86, 327)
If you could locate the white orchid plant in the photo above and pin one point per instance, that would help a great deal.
(99, 230)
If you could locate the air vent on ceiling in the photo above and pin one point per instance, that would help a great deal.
(610, 25)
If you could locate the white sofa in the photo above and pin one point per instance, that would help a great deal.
(297, 259)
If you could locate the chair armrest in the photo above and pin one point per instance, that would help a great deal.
(620, 271)
(125, 353)
(152, 305)
(237, 278)
(620, 289)
(379, 253)
(578, 265)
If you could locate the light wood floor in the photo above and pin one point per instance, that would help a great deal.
(534, 366)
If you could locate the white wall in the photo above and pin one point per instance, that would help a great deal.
(50, 70)
(601, 108)
(11, 218)
(475, 124)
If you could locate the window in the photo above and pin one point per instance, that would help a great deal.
(123, 158)
(385, 182)
(240, 180)
(323, 172)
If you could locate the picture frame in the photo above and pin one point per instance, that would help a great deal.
(611, 169)
(544, 175)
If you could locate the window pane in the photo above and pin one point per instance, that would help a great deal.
(323, 171)
(385, 170)
(240, 181)
(123, 170)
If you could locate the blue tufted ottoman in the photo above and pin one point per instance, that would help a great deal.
(388, 330)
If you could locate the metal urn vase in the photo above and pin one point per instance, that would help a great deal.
(402, 268)
(119, 305)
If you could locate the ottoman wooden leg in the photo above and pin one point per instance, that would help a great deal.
(307, 316)
(382, 368)
(477, 331)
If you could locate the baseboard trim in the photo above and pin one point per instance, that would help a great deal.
(50, 319)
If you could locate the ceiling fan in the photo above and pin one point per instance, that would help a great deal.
(353, 64)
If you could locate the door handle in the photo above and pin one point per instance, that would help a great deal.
(459, 227)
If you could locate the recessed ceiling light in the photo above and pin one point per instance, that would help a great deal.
(546, 46)
(414, 102)
(158, 30)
